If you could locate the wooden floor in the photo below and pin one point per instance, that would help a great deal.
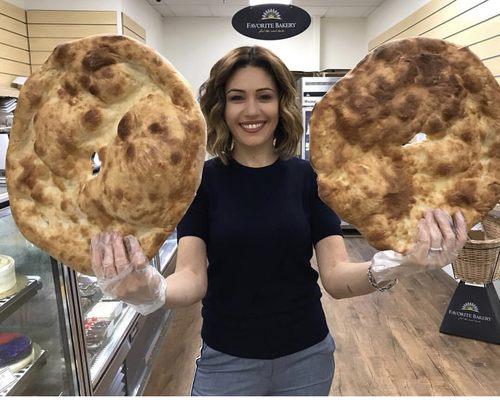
(388, 344)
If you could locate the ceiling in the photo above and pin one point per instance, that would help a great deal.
(227, 8)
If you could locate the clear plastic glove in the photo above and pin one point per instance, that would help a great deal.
(439, 240)
(123, 272)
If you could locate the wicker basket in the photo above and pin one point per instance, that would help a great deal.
(478, 261)
(491, 225)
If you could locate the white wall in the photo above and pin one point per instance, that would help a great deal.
(389, 13)
(147, 17)
(193, 45)
(343, 42)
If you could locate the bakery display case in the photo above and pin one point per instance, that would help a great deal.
(36, 356)
(59, 335)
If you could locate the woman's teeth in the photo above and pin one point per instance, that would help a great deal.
(252, 127)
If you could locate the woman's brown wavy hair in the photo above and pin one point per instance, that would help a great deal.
(213, 101)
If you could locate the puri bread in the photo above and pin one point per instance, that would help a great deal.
(369, 169)
(117, 97)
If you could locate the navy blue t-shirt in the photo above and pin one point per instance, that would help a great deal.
(259, 226)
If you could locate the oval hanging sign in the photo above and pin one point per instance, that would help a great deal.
(271, 21)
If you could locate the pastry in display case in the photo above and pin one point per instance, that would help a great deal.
(16, 351)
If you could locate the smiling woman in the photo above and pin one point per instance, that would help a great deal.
(256, 218)
(251, 86)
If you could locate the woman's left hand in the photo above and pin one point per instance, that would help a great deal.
(440, 238)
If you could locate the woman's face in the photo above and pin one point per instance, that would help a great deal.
(252, 107)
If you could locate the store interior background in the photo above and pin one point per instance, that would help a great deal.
(193, 34)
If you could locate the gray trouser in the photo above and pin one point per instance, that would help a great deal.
(306, 373)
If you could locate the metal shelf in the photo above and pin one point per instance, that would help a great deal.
(27, 287)
(24, 375)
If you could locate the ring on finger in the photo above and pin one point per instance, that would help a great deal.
(435, 249)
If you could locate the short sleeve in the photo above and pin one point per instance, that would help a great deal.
(195, 221)
(324, 222)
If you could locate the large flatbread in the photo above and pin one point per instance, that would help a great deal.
(113, 96)
(370, 169)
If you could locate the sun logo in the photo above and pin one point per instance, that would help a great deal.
(470, 307)
(271, 13)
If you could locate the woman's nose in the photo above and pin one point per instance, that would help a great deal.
(252, 107)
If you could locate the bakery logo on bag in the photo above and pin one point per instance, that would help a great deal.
(470, 312)
(271, 23)
(470, 307)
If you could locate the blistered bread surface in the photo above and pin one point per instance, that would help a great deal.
(116, 97)
(370, 168)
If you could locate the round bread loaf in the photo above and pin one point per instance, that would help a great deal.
(370, 169)
(116, 97)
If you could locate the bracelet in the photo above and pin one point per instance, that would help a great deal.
(376, 286)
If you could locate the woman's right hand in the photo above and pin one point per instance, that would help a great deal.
(124, 273)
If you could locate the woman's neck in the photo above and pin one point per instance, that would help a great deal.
(254, 158)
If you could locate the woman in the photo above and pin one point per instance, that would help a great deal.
(256, 217)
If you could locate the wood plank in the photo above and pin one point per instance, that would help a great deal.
(47, 44)
(493, 64)
(9, 92)
(12, 11)
(133, 26)
(414, 18)
(13, 39)
(68, 31)
(6, 79)
(488, 48)
(472, 17)
(39, 57)
(476, 33)
(71, 17)
(35, 68)
(445, 14)
(13, 25)
(129, 33)
(14, 54)
(14, 67)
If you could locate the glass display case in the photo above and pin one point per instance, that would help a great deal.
(83, 342)
(33, 315)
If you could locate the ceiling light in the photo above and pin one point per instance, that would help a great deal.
(258, 2)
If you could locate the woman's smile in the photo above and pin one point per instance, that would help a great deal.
(252, 126)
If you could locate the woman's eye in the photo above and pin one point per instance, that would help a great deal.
(235, 98)
(266, 97)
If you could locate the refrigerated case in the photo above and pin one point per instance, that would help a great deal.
(85, 343)
(311, 90)
(36, 309)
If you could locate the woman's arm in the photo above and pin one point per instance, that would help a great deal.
(341, 278)
(188, 284)
(438, 242)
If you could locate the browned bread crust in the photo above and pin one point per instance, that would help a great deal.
(117, 97)
(361, 126)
